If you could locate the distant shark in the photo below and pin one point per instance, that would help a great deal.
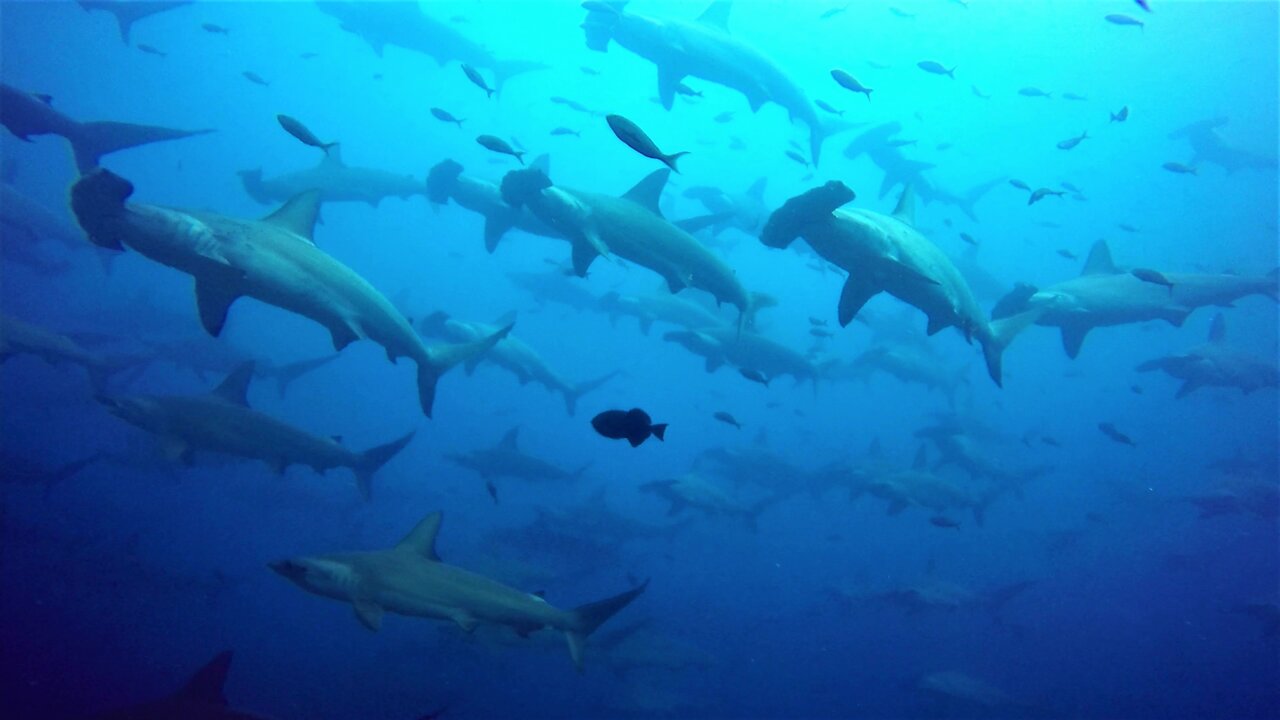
(507, 460)
(26, 114)
(695, 492)
(704, 49)
(223, 422)
(511, 354)
(202, 698)
(921, 487)
(336, 181)
(273, 260)
(403, 24)
(661, 307)
(1104, 295)
(633, 228)
(128, 12)
(445, 181)
(901, 171)
(745, 211)
(746, 351)
(1216, 364)
(1207, 146)
(884, 253)
(18, 337)
(410, 579)
(29, 225)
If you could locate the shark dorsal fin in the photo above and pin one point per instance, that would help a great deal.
(206, 685)
(1099, 261)
(648, 191)
(235, 387)
(717, 15)
(1218, 329)
(298, 215)
(906, 209)
(505, 319)
(511, 440)
(543, 163)
(422, 539)
(922, 459)
(757, 188)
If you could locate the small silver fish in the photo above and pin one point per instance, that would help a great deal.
(1121, 115)
(295, 128)
(477, 79)
(636, 139)
(1177, 167)
(936, 68)
(1072, 142)
(498, 145)
(445, 116)
(849, 82)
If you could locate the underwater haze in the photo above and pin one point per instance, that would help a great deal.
(639, 359)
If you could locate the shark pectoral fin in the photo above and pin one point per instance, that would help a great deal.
(343, 335)
(668, 79)
(368, 612)
(177, 449)
(470, 366)
(465, 621)
(896, 507)
(583, 255)
(1177, 315)
(1187, 388)
(855, 294)
(213, 298)
(494, 229)
(1073, 338)
(714, 363)
(935, 325)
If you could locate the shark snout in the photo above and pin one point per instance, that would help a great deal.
(288, 568)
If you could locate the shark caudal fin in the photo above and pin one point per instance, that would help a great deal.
(284, 375)
(820, 131)
(974, 194)
(92, 140)
(584, 619)
(1002, 332)
(572, 395)
(373, 459)
(252, 182)
(789, 221)
(504, 70)
(444, 356)
(65, 472)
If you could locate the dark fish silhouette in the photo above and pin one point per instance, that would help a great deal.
(148, 49)
(826, 107)
(1040, 194)
(724, 117)
(255, 78)
(1072, 142)
(498, 145)
(849, 82)
(1118, 19)
(1110, 431)
(943, 521)
(1154, 277)
(1177, 167)
(636, 139)
(445, 116)
(727, 419)
(1034, 92)
(215, 29)
(1068, 255)
(936, 68)
(634, 426)
(566, 131)
(477, 79)
(969, 239)
(300, 131)
(797, 157)
(1020, 185)
(754, 376)
(1121, 115)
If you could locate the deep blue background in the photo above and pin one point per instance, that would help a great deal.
(109, 591)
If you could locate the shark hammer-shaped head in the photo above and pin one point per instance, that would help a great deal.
(327, 577)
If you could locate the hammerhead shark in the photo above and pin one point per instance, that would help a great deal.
(403, 24)
(274, 260)
(201, 698)
(1217, 364)
(410, 579)
(336, 181)
(704, 49)
(223, 422)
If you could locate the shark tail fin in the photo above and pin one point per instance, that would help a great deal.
(69, 470)
(1002, 333)
(373, 459)
(442, 357)
(92, 140)
(757, 302)
(205, 686)
(976, 193)
(286, 374)
(819, 132)
(252, 181)
(504, 70)
(584, 619)
(572, 395)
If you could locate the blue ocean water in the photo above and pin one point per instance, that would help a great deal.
(879, 531)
